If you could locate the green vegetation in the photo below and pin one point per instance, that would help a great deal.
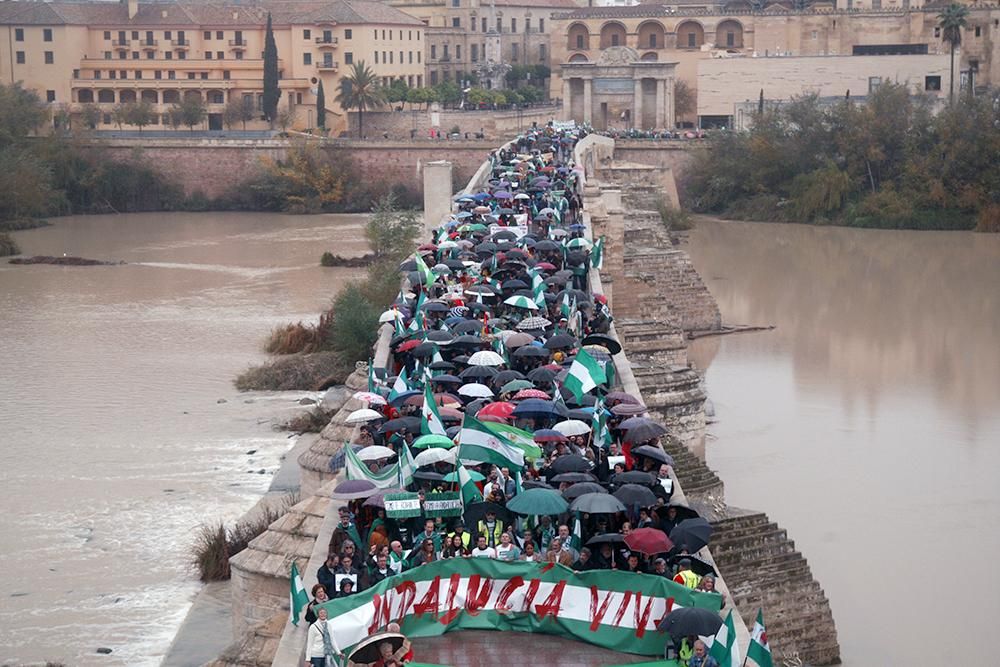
(271, 91)
(239, 110)
(890, 163)
(673, 219)
(320, 106)
(306, 372)
(20, 224)
(360, 90)
(8, 246)
(952, 21)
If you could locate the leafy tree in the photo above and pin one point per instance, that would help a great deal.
(191, 111)
(320, 106)
(952, 21)
(238, 110)
(21, 111)
(271, 91)
(391, 232)
(120, 114)
(91, 115)
(360, 90)
(286, 117)
(397, 91)
(684, 99)
(140, 114)
(307, 180)
(449, 93)
(25, 184)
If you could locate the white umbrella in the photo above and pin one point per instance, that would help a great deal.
(389, 316)
(521, 195)
(475, 390)
(447, 245)
(572, 427)
(369, 397)
(362, 416)
(486, 358)
(435, 455)
(374, 453)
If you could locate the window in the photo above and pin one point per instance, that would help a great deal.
(446, 55)
(348, 58)
(122, 55)
(46, 34)
(400, 57)
(499, 24)
(541, 53)
(513, 52)
(434, 78)
(652, 40)
(150, 55)
(385, 57)
(873, 83)
(138, 74)
(974, 64)
(171, 74)
(348, 33)
(208, 55)
(97, 74)
(614, 38)
(50, 96)
(458, 52)
(474, 53)
(484, 24)
(456, 22)
(182, 55)
(107, 119)
(204, 75)
(168, 55)
(225, 74)
(239, 55)
(298, 98)
(135, 34)
(216, 97)
(391, 59)
(409, 35)
(418, 36)
(420, 80)
(692, 40)
(376, 57)
(932, 83)
(158, 74)
(207, 35)
(813, 35)
(19, 34)
(527, 24)
(20, 57)
(513, 25)
(456, 3)
(76, 74)
(937, 31)
(190, 76)
(411, 57)
(307, 59)
(579, 41)
(49, 57)
(979, 31)
(167, 35)
(472, 23)
(112, 74)
(418, 57)
(135, 55)
(220, 55)
(328, 37)
(122, 74)
(731, 38)
(434, 51)
(107, 34)
(383, 34)
(307, 33)
(220, 34)
(541, 25)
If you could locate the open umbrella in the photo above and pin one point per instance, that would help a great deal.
(572, 427)
(537, 502)
(621, 396)
(428, 476)
(533, 323)
(476, 511)
(369, 398)
(634, 477)
(691, 533)
(478, 372)
(607, 342)
(549, 435)
(570, 463)
(628, 409)
(581, 488)
(633, 494)
(535, 484)
(475, 390)
(429, 457)
(645, 431)
(378, 500)
(698, 566)
(367, 650)
(531, 352)
(648, 541)
(473, 475)
(691, 621)
(561, 342)
(525, 394)
(352, 489)
(515, 386)
(597, 503)
(375, 452)
(439, 441)
(574, 477)
(498, 409)
(653, 452)
(363, 416)
(486, 358)
(606, 538)
(411, 424)
(683, 511)
(521, 302)
(515, 339)
(542, 374)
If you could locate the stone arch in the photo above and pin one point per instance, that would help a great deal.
(150, 96)
(171, 96)
(650, 56)
(106, 96)
(690, 35)
(85, 96)
(651, 35)
(192, 94)
(579, 37)
(729, 34)
(613, 33)
(215, 96)
(126, 96)
(578, 58)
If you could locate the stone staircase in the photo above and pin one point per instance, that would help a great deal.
(700, 482)
(763, 570)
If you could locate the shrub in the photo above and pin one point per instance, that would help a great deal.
(327, 259)
(298, 337)
(673, 219)
(309, 421)
(355, 323)
(306, 372)
(988, 219)
(20, 224)
(8, 246)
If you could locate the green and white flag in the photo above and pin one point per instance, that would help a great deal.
(468, 489)
(401, 385)
(299, 597)
(355, 468)
(430, 419)
(597, 254)
(406, 467)
(371, 376)
(759, 650)
(476, 442)
(538, 289)
(397, 323)
(565, 308)
(518, 437)
(576, 537)
(444, 504)
(585, 374)
(724, 648)
(424, 271)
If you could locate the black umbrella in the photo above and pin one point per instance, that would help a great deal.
(424, 350)
(531, 352)
(535, 484)
(514, 284)
(574, 477)
(435, 307)
(442, 366)
(683, 511)
(478, 372)
(691, 621)
(698, 566)
(447, 378)
(634, 477)
(428, 475)
(542, 374)
(646, 431)
(367, 650)
(411, 424)
(537, 408)
(468, 327)
(441, 337)
(476, 511)
(454, 264)
(547, 245)
(612, 345)
(561, 341)
(581, 488)
(634, 494)
(606, 538)
(597, 503)
(503, 377)
(408, 265)
(652, 452)
(569, 463)
(466, 339)
(691, 533)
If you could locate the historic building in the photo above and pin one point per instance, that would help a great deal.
(708, 43)
(76, 53)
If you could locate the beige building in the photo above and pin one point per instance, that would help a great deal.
(108, 53)
(690, 35)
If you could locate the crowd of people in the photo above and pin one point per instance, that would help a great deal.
(496, 329)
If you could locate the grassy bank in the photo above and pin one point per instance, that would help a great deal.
(8, 246)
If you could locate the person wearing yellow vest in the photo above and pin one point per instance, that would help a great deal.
(460, 531)
(685, 576)
(491, 528)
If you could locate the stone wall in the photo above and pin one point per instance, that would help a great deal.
(495, 125)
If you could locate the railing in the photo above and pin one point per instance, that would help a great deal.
(328, 64)
(238, 43)
(327, 41)
(121, 43)
(180, 43)
(147, 43)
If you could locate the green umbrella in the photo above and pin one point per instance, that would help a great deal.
(473, 475)
(516, 385)
(473, 228)
(521, 302)
(433, 441)
(538, 502)
(579, 243)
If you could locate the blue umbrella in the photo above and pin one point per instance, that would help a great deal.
(402, 396)
(463, 215)
(481, 196)
(536, 407)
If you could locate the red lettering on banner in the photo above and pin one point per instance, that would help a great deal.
(670, 607)
(407, 591)
(508, 589)
(381, 616)
(553, 603)
(597, 614)
(449, 604)
(622, 607)
(641, 619)
(547, 567)
(476, 598)
(429, 603)
(530, 594)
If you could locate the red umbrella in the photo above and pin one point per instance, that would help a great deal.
(441, 398)
(498, 409)
(622, 397)
(428, 246)
(530, 393)
(492, 418)
(648, 541)
(545, 266)
(408, 345)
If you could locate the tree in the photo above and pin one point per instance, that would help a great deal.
(91, 115)
(397, 91)
(952, 22)
(191, 111)
(21, 111)
(140, 114)
(320, 106)
(238, 110)
(25, 184)
(360, 90)
(684, 100)
(391, 233)
(120, 113)
(308, 179)
(285, 118)
(271, 92)
(449, 93)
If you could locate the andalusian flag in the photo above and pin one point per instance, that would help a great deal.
(371, 376)
(469, 490)
(476, 442)
(538, 289)
(759, 650)
(405, 466)
(565, 308)
(518, 437)
(399, 386)
(424, 272)
(599, 425)
(585, 374)
(430, 420)
(597, 254)
(576, 537)
(725, 649)
(355, 468)
(299, 597)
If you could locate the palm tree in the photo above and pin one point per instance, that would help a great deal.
(360, 90)
(952, 22)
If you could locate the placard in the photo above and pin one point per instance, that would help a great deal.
(443, 504)
(402, 505)
(519, 229)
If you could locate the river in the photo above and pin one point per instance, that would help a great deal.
(867, 422)
(121, 429)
